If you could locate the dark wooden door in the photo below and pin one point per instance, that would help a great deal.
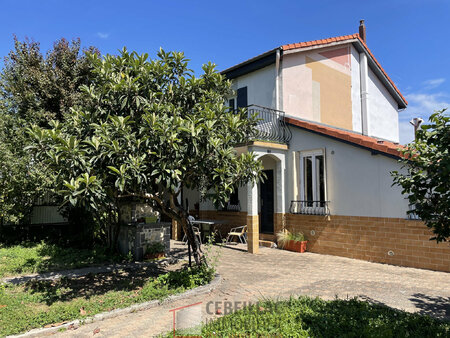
(267, 205)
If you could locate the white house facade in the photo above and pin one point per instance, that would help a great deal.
(330, 124)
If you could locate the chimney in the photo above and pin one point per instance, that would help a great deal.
(362, 30)
(416, 122)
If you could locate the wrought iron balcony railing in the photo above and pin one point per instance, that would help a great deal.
(271, 125)
(310, 207)
(232, 207)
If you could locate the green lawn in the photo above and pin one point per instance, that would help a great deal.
(308, 317)
(41, 257)
(36, 304)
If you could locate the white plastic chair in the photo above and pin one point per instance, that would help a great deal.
(239, 232)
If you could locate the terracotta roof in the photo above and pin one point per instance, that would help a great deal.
(319, 42)
(370, 143)
(338, 39)
(381, 68)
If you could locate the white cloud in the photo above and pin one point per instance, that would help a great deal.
(103, 35)
(421, 104)
(433, 83)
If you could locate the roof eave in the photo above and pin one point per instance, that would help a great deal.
(257, 62)
(376, 68)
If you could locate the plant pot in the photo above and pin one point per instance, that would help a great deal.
(295, 246)
(154, 255)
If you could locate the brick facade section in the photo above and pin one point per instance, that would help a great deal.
(371, 238)
(231, 219)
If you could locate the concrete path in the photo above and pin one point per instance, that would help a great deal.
(279, 274)
(75, 273)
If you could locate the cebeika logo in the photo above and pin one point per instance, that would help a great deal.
(188, 319)
(225, 307)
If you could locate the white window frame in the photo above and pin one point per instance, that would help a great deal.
(313, 153)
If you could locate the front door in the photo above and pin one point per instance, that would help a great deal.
(266, 190)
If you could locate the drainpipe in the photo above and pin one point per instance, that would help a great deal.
(277, 81)
(364, 78)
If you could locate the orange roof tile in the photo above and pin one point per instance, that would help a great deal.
(371, 143)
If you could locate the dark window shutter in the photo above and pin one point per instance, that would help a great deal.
(242, 97)
(231, 104)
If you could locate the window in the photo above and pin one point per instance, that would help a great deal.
(233, 204)
(234, 197)
(231, 104)
(239, 101)
(312, 179)
(242, 97)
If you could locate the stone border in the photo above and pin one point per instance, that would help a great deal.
(119, 312)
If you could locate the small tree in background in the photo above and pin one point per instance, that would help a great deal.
(148, 128)
(427, 182)
(34, 89)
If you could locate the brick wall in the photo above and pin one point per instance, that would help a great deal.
(231, 219)
(371, 238)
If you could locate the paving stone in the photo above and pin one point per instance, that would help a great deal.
(277, 273)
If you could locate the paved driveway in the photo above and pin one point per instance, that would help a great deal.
(279, 274)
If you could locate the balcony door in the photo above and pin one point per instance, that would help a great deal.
(267, 203)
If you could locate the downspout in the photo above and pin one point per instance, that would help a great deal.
(277, 81)
(364, 79)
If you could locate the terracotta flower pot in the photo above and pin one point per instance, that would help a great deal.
(154, 256)
(295, 246)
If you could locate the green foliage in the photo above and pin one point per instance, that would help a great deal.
(30, 258)
(308, 317)
(284, 235)
(187, 278)
(427, 183)
(38, 88)
(212, 253)
(148, 126)
(33, 90)
(39, 303)
(154, 248)
(19, 183)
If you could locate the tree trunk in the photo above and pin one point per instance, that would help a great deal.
(181, 216)
(193, 240)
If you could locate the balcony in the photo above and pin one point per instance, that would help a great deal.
(310, 208)
(271, 125)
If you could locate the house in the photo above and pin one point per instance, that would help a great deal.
(328, 140)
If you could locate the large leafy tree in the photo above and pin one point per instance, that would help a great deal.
(149, 128)
(38, 88)
(34, 89)
(427, 177)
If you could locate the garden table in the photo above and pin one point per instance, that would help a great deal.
(208, 226)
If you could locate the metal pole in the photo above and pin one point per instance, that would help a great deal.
(189, 250)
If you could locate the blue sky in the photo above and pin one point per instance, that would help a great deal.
(410, 38)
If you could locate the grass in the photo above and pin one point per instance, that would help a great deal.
(37, 304)
(313, 317)
(41, 257)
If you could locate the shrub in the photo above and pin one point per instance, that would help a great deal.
(284, 235)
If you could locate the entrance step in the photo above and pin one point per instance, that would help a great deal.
(268, 244)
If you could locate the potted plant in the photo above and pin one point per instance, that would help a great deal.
(154, 251)
(292, 241)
